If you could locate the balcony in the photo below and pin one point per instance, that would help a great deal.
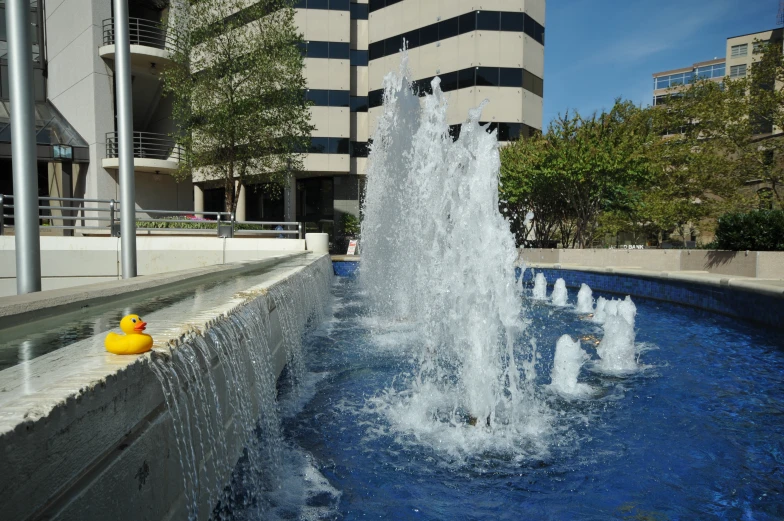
(151, 153)
(152, 43)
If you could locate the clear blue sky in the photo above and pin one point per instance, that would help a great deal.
(598, 50)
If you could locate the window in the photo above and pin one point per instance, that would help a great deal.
(318, 4)
(662, 83)
(428, 34)
(465, 78)
(359, 149)
(318, 49)
(339, 98)
(376, 50)
(738, 71)
(359, 11)
(412, 39)
(448, 81)
(719, 70)
(359, 103)
(466, 23)
(301, 4)
(534, 29)
(513, 22)
(487, 76)
(448, 28)
(738, 51)
(339, 5)
(359, 58)
(488, 20)
(338, 145)
(375, 98)
(319, 97)
(511, 77)
(375, 5)
(319, 145)
(339, 50)
(759, 47)
(533, 83)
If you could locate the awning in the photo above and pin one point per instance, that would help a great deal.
(55, 138)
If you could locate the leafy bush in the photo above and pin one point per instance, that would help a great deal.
(351, 224)
(762, 230)
(197, 224)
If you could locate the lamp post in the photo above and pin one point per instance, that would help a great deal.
(122, 79)
(25, 172)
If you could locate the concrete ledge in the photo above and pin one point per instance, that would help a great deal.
(85, 435)
(35, 306)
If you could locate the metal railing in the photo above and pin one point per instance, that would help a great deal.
(144, 32)
(75, 210)
(146, 145)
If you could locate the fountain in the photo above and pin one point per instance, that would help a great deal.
(540, 287)
(599, 313)
(438, 255)
(569, 359)
(560, 295)
(584, 299)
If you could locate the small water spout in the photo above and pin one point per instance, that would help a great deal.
(600, 314)
(617, 350)
(584, 299)
(569, 359)
(540, 287)
(560, 294)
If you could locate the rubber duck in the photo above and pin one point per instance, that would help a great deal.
(133, 342)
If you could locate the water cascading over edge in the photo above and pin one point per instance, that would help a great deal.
(438, 253)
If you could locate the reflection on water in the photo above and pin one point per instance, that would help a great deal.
(22, 343)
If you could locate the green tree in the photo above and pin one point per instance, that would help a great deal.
(237, 90)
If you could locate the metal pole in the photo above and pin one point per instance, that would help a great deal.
(23, 154)
(122, 79)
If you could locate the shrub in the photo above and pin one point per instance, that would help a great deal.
(762, 230)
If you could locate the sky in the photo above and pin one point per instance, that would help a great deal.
(599, 50)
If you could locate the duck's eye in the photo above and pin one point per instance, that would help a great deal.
(133, 320)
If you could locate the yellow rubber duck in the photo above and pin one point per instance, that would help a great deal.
(133, 342)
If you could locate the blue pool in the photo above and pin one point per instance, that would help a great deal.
(698, 433)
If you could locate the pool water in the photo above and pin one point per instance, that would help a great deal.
(697, 433)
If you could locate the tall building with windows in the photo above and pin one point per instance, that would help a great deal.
(493, 50)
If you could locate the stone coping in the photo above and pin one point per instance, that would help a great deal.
(345, 258)
(33, 390)
(18, 309)
(774, 287)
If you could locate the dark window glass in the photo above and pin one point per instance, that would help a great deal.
(319, 97)
(300, 4)
(428, 34)
(359, 103)
(449, 81)
(487, 76)
(515, 131)
(412, 38)
(465, 78)
(359, 58)
(513, 22)
(303, 48)
(359, 149)
(423, 86)
(319, 145)
(447, 28)
(338, 145)
(511, 77)
(503, 131)
(318, 49)
(392, 2)
(488, 20)
(359, 11)
(533, 83)
(375, 5)
(454, 131)
(339, 5)
(534, 29)
(339, 50)
(375, 98)
(339, 98)
(318, 4)
(467, 22)
(376, 50)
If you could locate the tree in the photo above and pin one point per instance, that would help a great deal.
(238, 92)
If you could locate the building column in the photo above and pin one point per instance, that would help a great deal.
(198, 199)
(239, 213)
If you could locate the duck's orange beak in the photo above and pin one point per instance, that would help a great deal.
(140, 326)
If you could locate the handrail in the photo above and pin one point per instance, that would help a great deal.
(224, 223)
(144, 32)
(147, 145)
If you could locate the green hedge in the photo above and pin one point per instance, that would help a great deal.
(198, 225)
(762, 230)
